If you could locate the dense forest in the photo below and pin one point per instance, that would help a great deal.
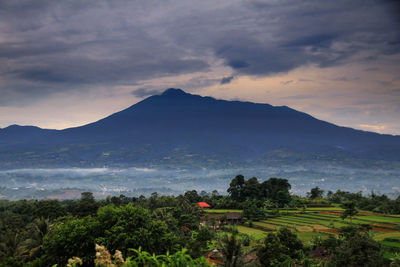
(175, 231)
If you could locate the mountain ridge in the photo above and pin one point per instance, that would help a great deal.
(177, 91)
(177, 127)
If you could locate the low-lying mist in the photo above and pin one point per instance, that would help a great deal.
(70, 182)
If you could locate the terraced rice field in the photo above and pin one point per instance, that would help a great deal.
(255, 233)
(222, 211)
(324, 221)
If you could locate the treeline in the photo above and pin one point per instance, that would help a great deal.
(47, 232)
(372, 202)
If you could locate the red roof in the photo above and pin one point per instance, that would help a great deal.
(203, 205)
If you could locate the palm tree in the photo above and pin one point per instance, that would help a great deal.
(230, 246)
(9, 244)
(32, 247)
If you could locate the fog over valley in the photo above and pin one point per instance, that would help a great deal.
(62, 183)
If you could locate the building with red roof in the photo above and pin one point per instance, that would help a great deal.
(203, 205)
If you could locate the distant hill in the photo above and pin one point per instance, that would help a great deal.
(177, 129)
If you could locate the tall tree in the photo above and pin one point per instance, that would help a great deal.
(315, 192)
(252, 189)
(192, 196)
(277, 190)
(87, 205)
(235, 189)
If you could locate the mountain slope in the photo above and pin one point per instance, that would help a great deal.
(177, 128)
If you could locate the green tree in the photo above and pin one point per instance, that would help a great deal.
(252, 189)
(130, 227)
(358, 250)
(153, 201)
(9, 244)
(252, 212)
(231, 248)
(192, 196)
(235, 189)
(72, 238)
(198, 244)
(315, 192)
(349, 210)
(50, 209)
(33, 246)
(280, 248)
(144, 258)
(268, 205)
(87, 205)
(119, 228)
(395, 261)
(277, 190)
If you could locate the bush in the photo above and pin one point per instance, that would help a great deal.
(280, 249)
(246, 239)
(120, 228)
(358, 250)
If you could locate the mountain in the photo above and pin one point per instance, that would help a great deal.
(180, 129)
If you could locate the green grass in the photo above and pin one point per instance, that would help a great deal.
(380, 219)
(221, 211)
(286, 220)
(267, 226)
(255, 233)
(390, 244)
(305, 237)
(380, 237)
(283, 211)
(339, 222)
(249, 230)
(309, 219)
(305, 220)
(324, 209)
(388, 254)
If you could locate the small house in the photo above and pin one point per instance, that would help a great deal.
(203, 205)
(233, 218)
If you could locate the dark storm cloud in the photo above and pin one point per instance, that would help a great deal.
(227, 80)
(317, 40)
(107, 71)
(290, 34)
(61, 46)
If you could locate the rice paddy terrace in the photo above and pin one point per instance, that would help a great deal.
(325, 221)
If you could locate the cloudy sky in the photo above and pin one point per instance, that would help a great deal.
(67, 63)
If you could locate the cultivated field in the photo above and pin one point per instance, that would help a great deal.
(325, 221)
